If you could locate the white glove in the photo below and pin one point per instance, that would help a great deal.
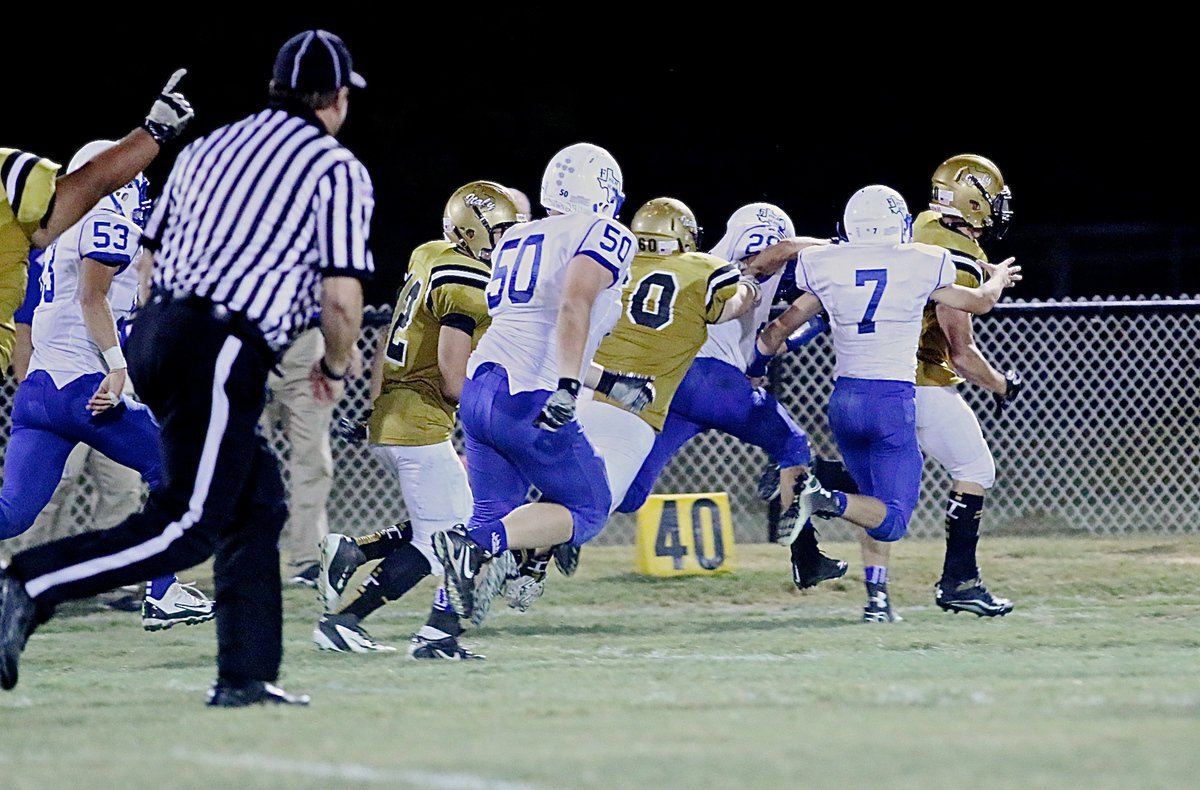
(170, 113)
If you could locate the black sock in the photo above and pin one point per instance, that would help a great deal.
(962, 535)
(380, 544)
(805, 550)
(445, 621)
(397, 574)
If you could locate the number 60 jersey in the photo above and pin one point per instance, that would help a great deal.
(62, 345)
(529, 275)
(875, 296)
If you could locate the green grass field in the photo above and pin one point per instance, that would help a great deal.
(617, 681)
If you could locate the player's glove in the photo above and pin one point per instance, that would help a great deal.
(1014, 384)
(808, 332)
(170, 113)
(560, 406)
(632, 390)
(353, 431)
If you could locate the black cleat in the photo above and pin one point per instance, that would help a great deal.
(566, 558)
(16, 624)
(768, 482)
(811, 573)
(879, 605)
(445, 649)
(342, 633)
(306, 577)
(340, 557)
(255, 692)
(461, 560)
(971, 596)
(527, 581)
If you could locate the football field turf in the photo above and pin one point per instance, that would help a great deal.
(614, 680)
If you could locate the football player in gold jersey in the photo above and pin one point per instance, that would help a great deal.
(673, 294)
(970, 202)
(441, 312)
(36, 205)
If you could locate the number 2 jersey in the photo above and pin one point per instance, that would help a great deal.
(732, 341)
(529, 275)
(443, 287)
(62, 344)
(875, 296)
(666, 311)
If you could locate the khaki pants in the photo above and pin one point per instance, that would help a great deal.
(306, 425)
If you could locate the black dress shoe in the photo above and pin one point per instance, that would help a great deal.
(255, 692)
(16, 623)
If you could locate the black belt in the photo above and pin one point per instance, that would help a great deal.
(236, 322)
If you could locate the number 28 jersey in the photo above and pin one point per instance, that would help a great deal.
(62, 344)
(529, 275)
(875, 296)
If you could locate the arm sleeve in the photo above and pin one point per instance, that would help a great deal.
(33, 292)
(29, 182)
(610, 244)
(946, 271)
(456, 297)
(967, 271)
(722, 285)
(802, 277)
(344, 203)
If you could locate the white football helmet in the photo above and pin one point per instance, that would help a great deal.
(581, 179)
(877, 215)
(747, 217)
(132, 200)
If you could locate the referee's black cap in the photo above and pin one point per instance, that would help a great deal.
(315, 61)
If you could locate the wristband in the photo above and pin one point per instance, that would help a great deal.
(758, 367)
(114, 358)
(329, 374)
(752, 284)
(570, 385)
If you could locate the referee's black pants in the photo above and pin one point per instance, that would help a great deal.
(204, 378)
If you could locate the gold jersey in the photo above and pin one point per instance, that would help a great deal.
(665, 312)
(934, 368)
(26, 196)
(443, 288)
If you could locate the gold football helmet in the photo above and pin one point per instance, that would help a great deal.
(666, 225)
(477, 215)
(971, 188)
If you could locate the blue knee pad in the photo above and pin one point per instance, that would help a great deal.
(795, 451)
(894, 527)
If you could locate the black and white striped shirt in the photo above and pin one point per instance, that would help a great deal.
(254, 214)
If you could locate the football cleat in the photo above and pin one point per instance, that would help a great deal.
(181, 603)
(799, 512)
(566, 558)
(339, 558)
(971, 596)
(527, 582)
(488, 584)
(444, 649)
(879, 606)
(306, 577)
(811, 573)
(462, 560)
(255, 692)
(342, 633)
(16, 623)
(768, 482)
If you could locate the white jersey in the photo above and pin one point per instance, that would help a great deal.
(62, 345)
(529, 273)
(875, 296)
(733, 341)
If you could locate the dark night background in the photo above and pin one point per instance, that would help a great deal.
(1089, 131)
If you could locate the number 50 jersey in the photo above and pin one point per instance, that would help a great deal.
(62, 344)
(529, 275)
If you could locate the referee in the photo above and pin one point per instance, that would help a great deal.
(258, 222)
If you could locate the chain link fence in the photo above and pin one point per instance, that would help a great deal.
(1104, 439)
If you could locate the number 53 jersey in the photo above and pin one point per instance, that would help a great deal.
(62, 345)
(875, 296)
(529, 276)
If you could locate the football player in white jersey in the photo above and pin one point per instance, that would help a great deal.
(716, 395)
(555, 292)
(74, 389)
(874, 288)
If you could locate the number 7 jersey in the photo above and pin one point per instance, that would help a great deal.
(875, 296)
(529, 275)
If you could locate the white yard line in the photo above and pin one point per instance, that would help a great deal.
(347, 771)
